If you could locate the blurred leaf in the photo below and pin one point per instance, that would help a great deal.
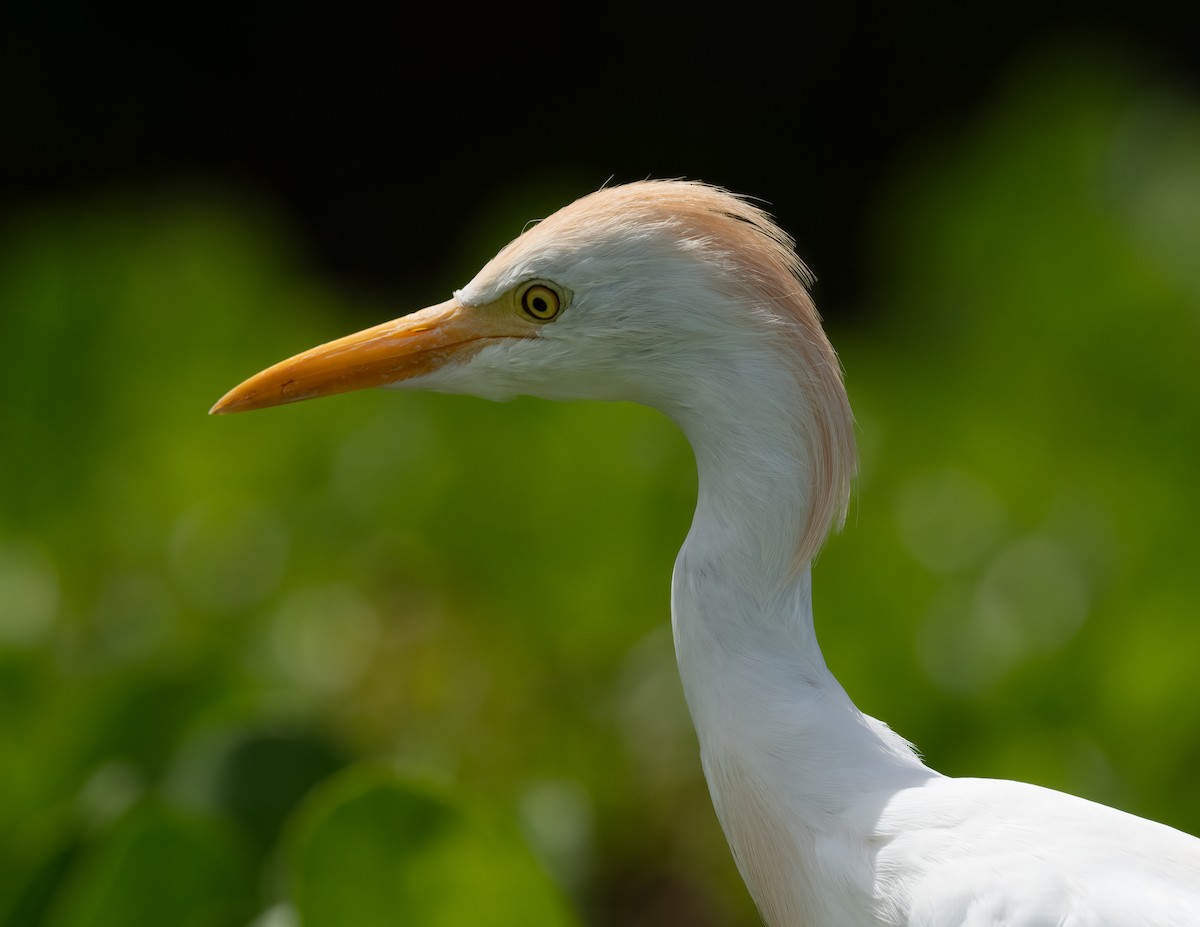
(264, 776)
(373, 850)
(36, 886)
(158, 866)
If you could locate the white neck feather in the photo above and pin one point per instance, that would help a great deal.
(795, 770)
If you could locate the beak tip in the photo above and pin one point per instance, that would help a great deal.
(227, 404)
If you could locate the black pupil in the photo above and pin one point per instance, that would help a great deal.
(539, 304)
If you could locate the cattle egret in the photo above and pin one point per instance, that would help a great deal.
(686, 298)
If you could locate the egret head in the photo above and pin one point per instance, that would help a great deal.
(673, 294)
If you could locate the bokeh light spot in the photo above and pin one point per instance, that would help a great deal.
(323, 636)
(29, 594)
(228, 556)
(949, 518)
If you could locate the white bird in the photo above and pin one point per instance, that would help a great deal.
(686, 298)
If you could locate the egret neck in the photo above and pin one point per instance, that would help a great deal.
(797, 773)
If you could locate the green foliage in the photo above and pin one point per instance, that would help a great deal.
(372, 850)
(212, 631)
(158, 866)
(1029, 496)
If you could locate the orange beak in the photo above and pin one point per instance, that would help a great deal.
(399, 350)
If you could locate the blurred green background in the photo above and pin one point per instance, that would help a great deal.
(406, 659)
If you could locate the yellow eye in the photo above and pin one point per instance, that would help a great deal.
(541, 302)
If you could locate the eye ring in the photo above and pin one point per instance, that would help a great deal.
(540, 302)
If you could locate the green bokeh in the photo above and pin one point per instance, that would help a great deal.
(202, 620)
(373, 850)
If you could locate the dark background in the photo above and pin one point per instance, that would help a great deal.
(374, 129)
